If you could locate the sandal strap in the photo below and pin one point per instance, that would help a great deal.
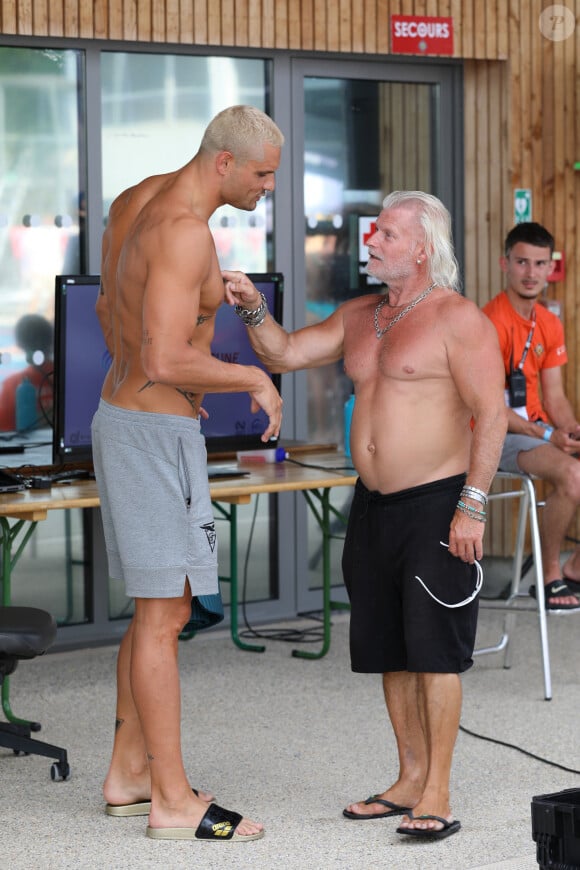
(374, 799)
(218, 824)
(557, 589)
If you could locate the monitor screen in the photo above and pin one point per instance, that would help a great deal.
(82, 360)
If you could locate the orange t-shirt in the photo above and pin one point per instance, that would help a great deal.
(547, 350)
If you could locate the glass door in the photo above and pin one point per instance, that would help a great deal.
(359, 131)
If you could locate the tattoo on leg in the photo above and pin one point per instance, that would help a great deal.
(147, 338)
(118, 723)
(146, 386)
(189, 397)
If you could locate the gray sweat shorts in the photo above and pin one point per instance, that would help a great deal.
(512, 446)
(151, 472)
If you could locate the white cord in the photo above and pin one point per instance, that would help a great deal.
(478, 585)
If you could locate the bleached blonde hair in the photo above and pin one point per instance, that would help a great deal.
(242, 130)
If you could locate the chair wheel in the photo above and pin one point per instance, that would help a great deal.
(60, 771)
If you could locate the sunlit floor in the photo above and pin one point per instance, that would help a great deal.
(291, 742)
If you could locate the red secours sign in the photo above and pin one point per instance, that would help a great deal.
(420, 34)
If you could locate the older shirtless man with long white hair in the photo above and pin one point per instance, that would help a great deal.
(427, 430)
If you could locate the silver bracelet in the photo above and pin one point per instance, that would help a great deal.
(253, 316)
(474, 493)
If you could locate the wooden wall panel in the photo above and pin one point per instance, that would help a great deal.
(521, 108)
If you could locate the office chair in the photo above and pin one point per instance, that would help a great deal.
(26, 632)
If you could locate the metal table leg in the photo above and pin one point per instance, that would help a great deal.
(322, 514)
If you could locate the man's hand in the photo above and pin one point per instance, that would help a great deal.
(239, 290)
(466, 537)
(565, 441)
(268, 398)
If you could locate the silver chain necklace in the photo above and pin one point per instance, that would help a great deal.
(380, 332)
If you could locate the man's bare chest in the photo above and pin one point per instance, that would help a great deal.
(413, 348)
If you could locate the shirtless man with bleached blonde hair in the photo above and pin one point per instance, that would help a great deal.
(425, 365)
(161, 288)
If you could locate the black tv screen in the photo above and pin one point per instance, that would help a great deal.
(82, 360)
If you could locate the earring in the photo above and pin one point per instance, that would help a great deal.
(418, 261)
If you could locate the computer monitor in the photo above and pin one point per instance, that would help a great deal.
(81, 362)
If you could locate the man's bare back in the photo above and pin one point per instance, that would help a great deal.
(123, 212)
(161, 288)
(144, 233)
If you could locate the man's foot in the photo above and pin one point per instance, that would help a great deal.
(393, 802)
(216, 824)
(143, 807)
(569, 578)
(558, 597)
(388, 809)
(429, 826)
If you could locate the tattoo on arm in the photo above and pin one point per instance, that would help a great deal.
(201, 318)
(150, 757)
(118, 723)
(146, 386)
(147, 337)
(189, 397)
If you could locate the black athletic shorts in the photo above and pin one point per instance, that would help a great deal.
(395, 625)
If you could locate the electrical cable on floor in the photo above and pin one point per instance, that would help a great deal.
(519, 749)
(287, 635)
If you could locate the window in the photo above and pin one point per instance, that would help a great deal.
(155, 108)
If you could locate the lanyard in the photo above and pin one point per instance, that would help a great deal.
(527, 344)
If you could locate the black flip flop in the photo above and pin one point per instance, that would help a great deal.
(393, 810)
(433, 833)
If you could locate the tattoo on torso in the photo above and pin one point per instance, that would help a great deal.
(189, 397)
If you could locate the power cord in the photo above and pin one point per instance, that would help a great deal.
(518, 749)
(320, 467)
(285, 635)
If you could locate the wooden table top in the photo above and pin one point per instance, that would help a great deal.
(314, 471)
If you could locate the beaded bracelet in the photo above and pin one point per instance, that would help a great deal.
(253, 316)
(479, 515)
(468, 507)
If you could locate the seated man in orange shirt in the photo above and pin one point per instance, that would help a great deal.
(543, 433)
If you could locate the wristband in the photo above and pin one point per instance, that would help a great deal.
(547, 433)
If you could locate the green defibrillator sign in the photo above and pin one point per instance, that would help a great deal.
(522, 205)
